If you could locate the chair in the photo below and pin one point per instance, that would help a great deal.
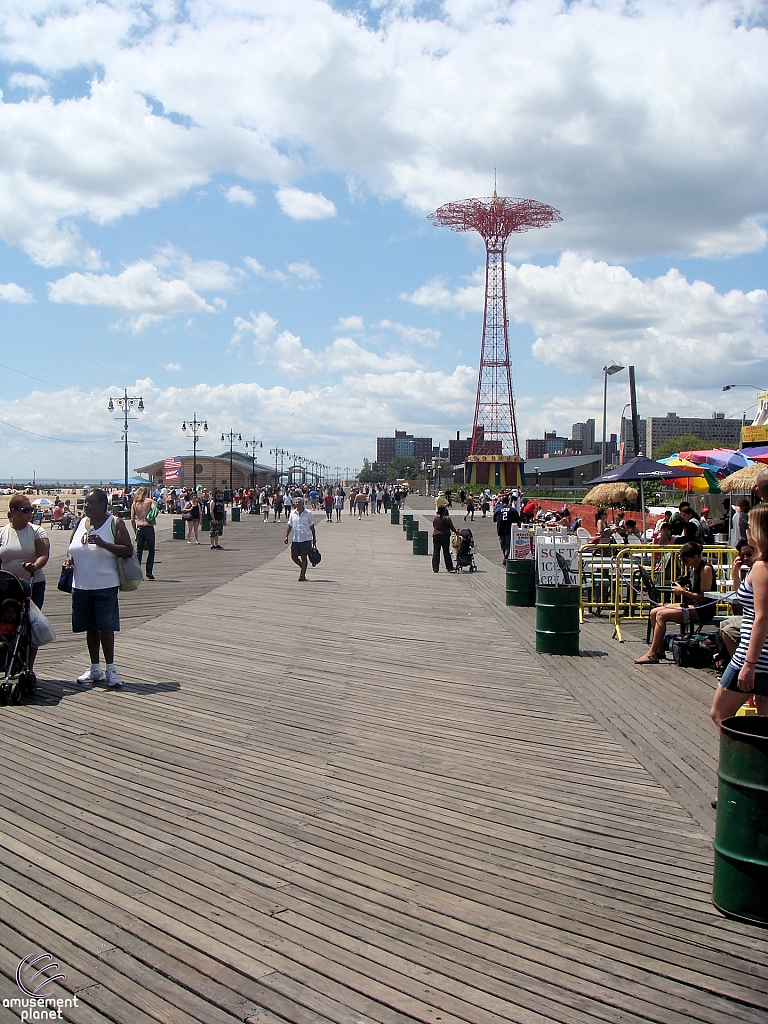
(583, 535)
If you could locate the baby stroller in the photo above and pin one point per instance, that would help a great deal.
(465, 558)
(15, 640)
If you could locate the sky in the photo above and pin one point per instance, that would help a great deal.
(221, 206)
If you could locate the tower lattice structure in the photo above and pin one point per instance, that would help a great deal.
(494, 431)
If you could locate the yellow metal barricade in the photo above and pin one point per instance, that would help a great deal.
(643, 572)
(597, 573)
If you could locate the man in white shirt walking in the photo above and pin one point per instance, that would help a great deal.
(301, 533)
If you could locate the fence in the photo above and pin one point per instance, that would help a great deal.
(628, 581)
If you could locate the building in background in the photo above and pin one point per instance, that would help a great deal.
(717, 431)
(561, 470)
(212, 472)
(403, 445)
(551, 444)
(585, 432)
(458, 450)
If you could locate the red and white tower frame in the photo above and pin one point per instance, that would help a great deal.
(495, 445)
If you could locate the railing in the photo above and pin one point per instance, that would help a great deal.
(621, 579)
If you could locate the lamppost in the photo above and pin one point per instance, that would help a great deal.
(125, 403)
(194, 425)
(608, 371)
(232, 436)
(254, 444)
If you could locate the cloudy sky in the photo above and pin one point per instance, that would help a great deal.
(221, 205)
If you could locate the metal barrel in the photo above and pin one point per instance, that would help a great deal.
(257, 508)
(178, 529)
(521, 582)
(407, 518)
(421, 542)
(205, 523)
(394, 515)
(740, 883)
(235, 514)
(557, 620)
(411, 529)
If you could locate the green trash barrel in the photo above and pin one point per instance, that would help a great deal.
(235, 514)
(411, 529)
(407, 518)
(521, 582)
(557, 620)
(257, 509)
(205, 523)
(421, 542)
(178, 529)
(740, 884)
(394, 515)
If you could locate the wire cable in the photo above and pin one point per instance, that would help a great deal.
(65, 440)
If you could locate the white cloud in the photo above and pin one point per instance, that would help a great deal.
(350, 323)
(238, 194)
(150, 291)
(32, 83)
(426, 336)
(647, 146)
(304, 205)
(15, 293)
(287, 353)
(172, 367)
(302, 274)
(139, 291)
(585, 311)
(338, 422)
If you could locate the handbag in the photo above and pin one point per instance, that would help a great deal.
(693, 652)
(128, 569)
(186, 516)
(314, 556)
(65, 579)
(152, 515)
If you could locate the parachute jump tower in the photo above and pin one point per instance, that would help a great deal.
(494, 458)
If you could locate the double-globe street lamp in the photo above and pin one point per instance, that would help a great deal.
(254, 445)
(232, 436)
(126, 403)
(194, 425)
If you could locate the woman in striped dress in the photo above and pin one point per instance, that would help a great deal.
(747, 671)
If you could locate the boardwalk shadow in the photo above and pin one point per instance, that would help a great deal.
(51, 692)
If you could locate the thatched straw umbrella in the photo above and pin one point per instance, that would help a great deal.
(610, 494)
(743, 479)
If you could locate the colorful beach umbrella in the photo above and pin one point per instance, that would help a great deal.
(720, 460)
(694, 482)
(758, 453)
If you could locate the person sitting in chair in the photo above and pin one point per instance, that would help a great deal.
(693, 606)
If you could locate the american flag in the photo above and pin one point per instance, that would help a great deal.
(173, 469)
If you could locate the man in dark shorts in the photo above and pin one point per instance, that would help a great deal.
(505, 516)
(301, 532)
(442, 528)
(218, 518)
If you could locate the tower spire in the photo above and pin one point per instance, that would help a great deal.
(494, 431)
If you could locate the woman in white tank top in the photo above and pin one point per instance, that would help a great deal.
(96, 545)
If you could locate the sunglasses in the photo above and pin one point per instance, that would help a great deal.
(26, 511)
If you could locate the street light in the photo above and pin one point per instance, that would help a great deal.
(608, 371)
(125, 403)
(728, 387)
(254, 444)
(232, 436)
(194, 425)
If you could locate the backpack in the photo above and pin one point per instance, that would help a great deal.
(694, 651)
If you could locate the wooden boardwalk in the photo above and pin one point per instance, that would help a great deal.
(361, 799)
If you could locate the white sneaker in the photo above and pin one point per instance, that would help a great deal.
(93, 675)
(113, 679)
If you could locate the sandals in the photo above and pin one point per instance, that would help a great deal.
(645, 660)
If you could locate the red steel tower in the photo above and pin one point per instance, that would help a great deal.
(494, 432)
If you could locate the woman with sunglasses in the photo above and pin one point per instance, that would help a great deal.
(24, 550)
(747, 671)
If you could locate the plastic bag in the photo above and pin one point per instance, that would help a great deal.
(41, 629)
